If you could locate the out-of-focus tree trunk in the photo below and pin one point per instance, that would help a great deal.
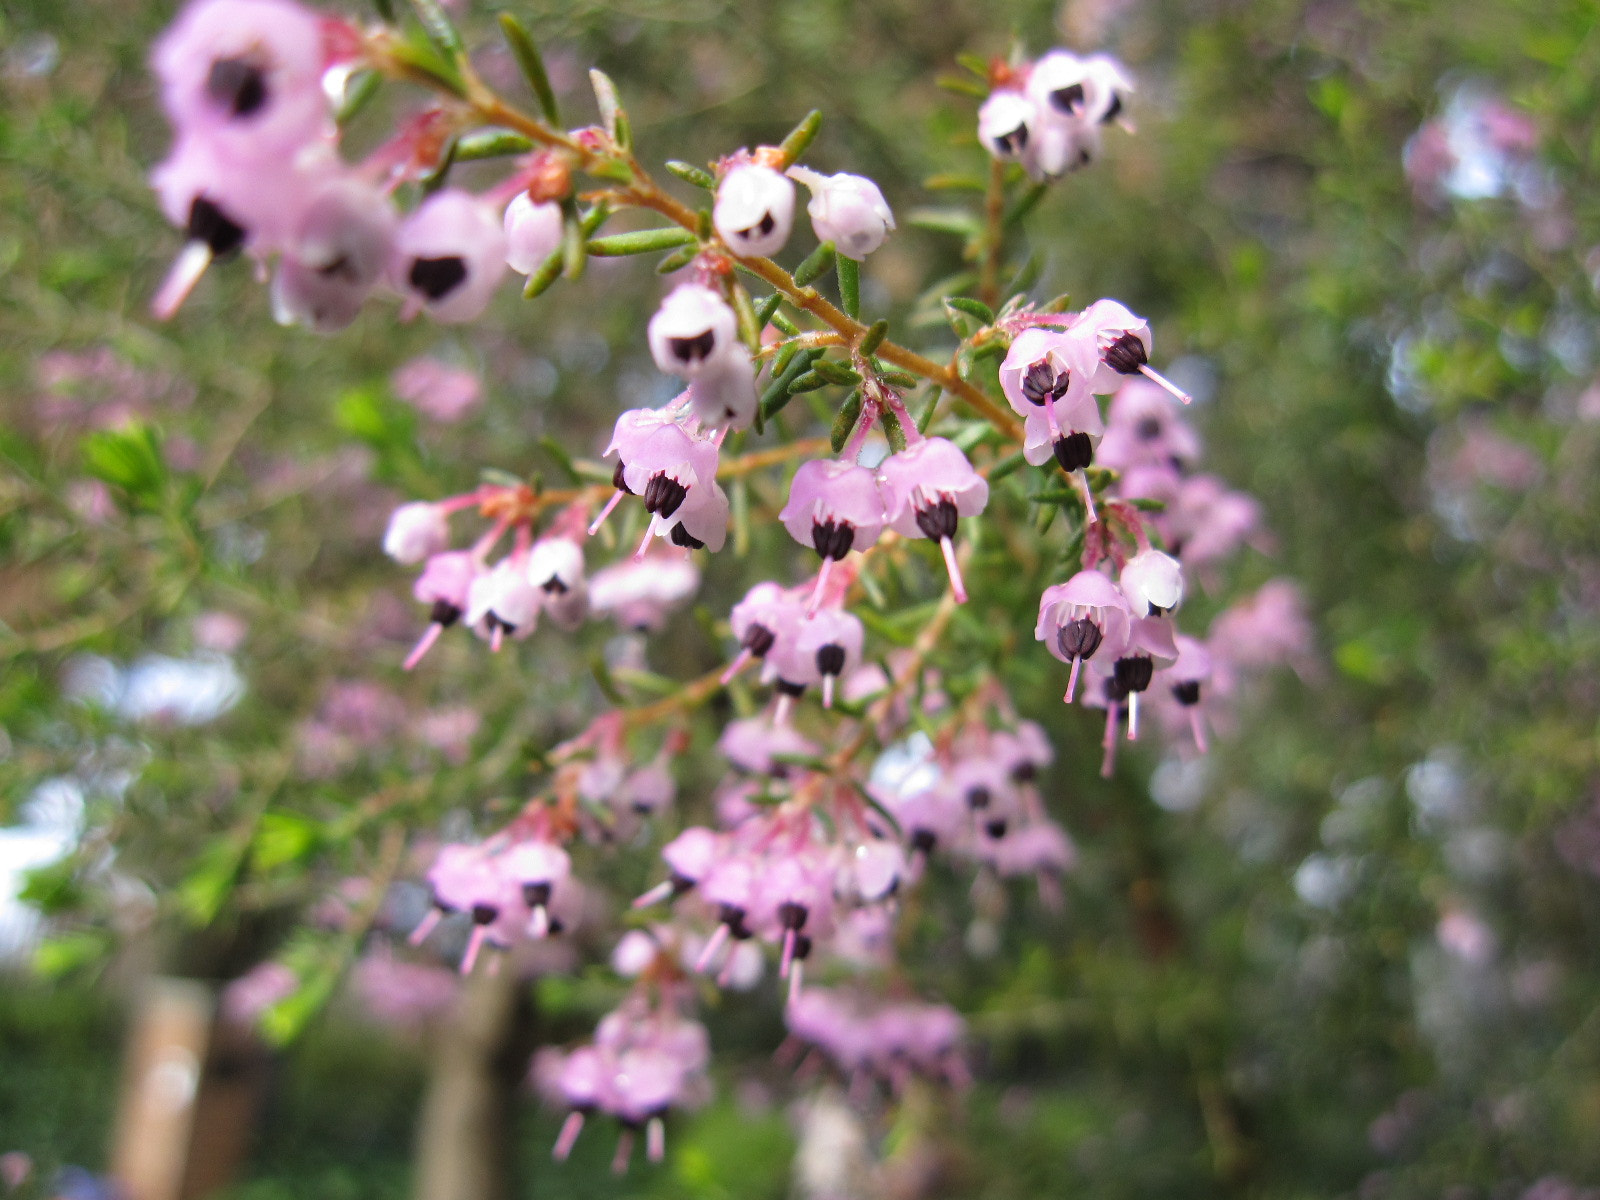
(464, 1149)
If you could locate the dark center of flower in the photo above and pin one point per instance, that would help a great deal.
(1080, 638)
(485, 914)
(938, 521)
(924, 840)
(209, 224)
(758, 639)
(792, 915)
(1024, 772)
(554, 587)
(832, 538)
(1149, 429)
(830, 659)
(1014, 142)
(1187, 693)
(793, 690)
(1126, 355)
(1074, 451)
(237, 85)
(1114, 691)
(762, 227)
(693, 349)
(733, 916)
(436, 278)
(1068, 99)
(1041, 383)
(1113, 110)
(663, 494)
(978, 797)
(444, 613)
(536, 895)
(1133, 673)
(617, 481)
(996, 828)
(682, 537)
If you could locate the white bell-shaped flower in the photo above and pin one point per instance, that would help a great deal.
(692, 331)
(754, 210)
(1152, 582)
(533, 233)
(416, 531)
(847, 210)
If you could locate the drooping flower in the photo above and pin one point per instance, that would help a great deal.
(833, 507)
(1080, 617)
(449, 256)
(1153, 583)
(754, 210)
(692, 331)
(847, 210)
(416, 531)
(1120, 344)
(336, 254)
(1005, 123)
(926, 489)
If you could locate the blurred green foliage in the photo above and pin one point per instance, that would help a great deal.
(1206, 1019)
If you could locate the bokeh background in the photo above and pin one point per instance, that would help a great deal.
(1352, 953)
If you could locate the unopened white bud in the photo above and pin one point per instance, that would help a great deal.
(847, 210)
(533, 233)
(416, 531)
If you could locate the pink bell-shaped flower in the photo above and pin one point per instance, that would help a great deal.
(640, 593)
(246, 75)
(444, 586)
(1080, 617)
(533, 233)
(555, 567)
(1144, 428)
(449, 256)
(723, 393)
(692, 331)
(1153, 583)
(1005, 124)
(754, 210)
(503, 603)
(1120, 343)
(926, 489)
(826, 645)
(416, 531)
(335, 257)
(1150, 645)
(847, 210)
(1186, 677)
(767, 613)
(833, 507)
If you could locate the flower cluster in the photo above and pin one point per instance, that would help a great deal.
(824, 819)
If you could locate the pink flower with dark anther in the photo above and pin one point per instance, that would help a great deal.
(1143, 428)
(759, 746)
(689, 857)
(246, 75)
(1065, 137)
(1079, 618)
(700, 522)
(449, 256)
(931, 816)
(648, 790)
(533, 233)
(926, 488)
(1152, 582)
(984, 785)
(1120, 344)
(825, 646)
(436, 389)
(1045, 376)
(336, 254)
(538, 867)
(1187, 677)
(754, 210)
(1023, 752)
(766, 613)
(223, 210)
(1150, 645)
(692, 331)
(640, 593)
(444, 585)
(723, 393)
(847, 210)
(555, 567)
(1266, 629)
(833, 507)
(416, 531)
(503, 603)
(1005, 124)
(467, 879)
(1093, 89)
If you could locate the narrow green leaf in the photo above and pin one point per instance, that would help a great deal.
(835, 372)
(925, 419)
(957, 221)
(809, 382)
(558, 455)
(962, 85)
(739, 505)
(641, 241)
(849, 286)
(781, 360)
(778, 394)
(892, 429)
(702, 224)
(573, 241)
(526, 51)
(690, 173)
(420, 62)
(783, 325)
(539, 282)
(678, 259)
(973, 308)
(800, 137)
(767, 309)
(1024, 205)
(1028, 275)
(749, 331)
(359, 90)
(490, 143)
(874, 336)
(435, 179)
(899, 379)
(955, 183)
(612, 115)
(594, 218)
(1061, 304)
(1006, 466)
(438, 27)
(975, 63)
(815, 265)
(846, 421)
(608, 685)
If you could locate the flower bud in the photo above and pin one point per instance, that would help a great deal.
(416, 531)
(533, 233)
(847, 210)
